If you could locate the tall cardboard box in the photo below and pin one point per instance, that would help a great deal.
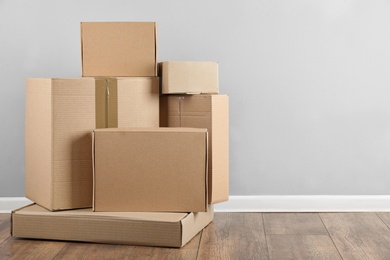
(133, 228)
(119, 49)
(60, 117)
(150, 169)
(204, 111)
(189, 77)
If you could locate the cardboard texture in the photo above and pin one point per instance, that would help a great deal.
(204, 111)
(133, 228)
(150, 169)
(60, 117)
(119, 49)
(189, 77)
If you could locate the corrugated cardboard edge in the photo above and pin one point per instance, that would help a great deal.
(82, 49)
(194, 223)
(12, 216)
(52, 206)
(93, 170)
(155, 49)
(206, 169)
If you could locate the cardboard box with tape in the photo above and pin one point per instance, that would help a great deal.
(204, 111)
(60, 117)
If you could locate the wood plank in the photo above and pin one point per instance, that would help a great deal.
(234, 236)
(14, 248)
(298, 236)
(189, 251)
(358, 235)
(301, 247)
(293, 224)
(5, 224)
(4, 233)
(105, 251)
(76, 250)
(4, 216)
(385, 217)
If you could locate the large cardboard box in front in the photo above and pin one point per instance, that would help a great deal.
(60, 117)
(150, 169)
(133, 228)
(204, 111)
(119, 49)
(189, 77)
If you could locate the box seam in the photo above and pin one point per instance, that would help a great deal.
(52, 197)
(206, 171)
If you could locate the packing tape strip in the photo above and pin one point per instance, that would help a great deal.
(106, 103)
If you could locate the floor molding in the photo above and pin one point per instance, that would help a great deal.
(306, 203)
(279, 203)
(7, 204)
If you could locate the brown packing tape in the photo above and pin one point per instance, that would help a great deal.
(106, 102)
(112, 103)
(182, 112)
(100, 103)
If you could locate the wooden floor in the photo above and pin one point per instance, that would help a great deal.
(237, 236)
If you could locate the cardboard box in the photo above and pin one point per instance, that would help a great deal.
(60, 117)
(133, 228)
(150, 169)
(204, 111)
(189, 77)
(119, 49)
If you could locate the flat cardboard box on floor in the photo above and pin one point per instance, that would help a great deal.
(150, 169)
(204, 111)
(133, 228)
(60, 117)
(189, 77)
(119, 49)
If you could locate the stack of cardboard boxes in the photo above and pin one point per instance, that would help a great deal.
(122, 155)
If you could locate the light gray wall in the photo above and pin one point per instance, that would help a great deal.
(309, 82)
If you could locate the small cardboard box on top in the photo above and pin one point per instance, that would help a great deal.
(133, 228)
(60, 117)
(188, 77)
(150, 169)
(119, 49)
(204, 111)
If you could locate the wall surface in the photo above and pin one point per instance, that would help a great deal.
(309, 82)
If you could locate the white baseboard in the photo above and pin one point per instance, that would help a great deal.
(301, 203)
(7, 204)
(306, 203)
